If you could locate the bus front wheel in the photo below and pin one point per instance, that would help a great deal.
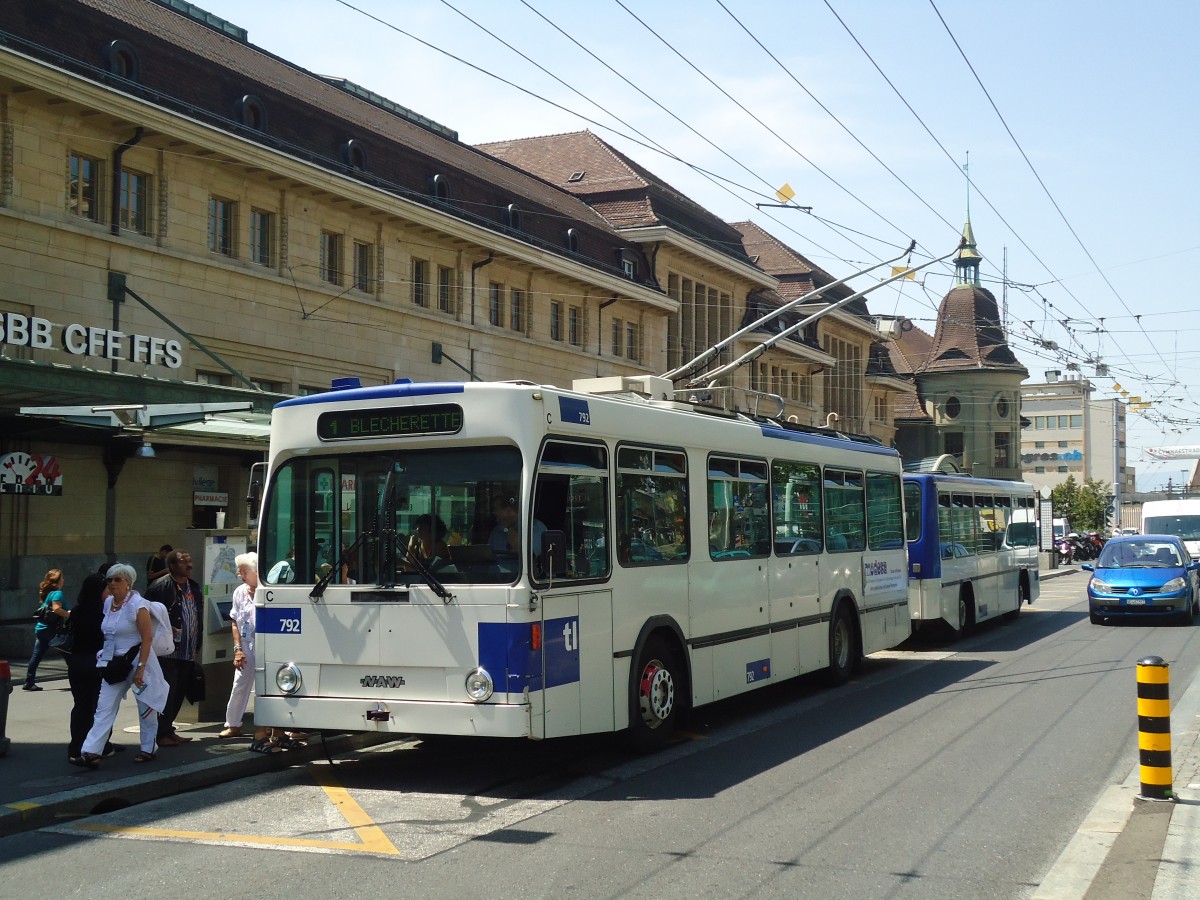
(843, 650)
(655, 699)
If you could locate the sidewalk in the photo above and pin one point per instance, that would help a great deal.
(38, 787)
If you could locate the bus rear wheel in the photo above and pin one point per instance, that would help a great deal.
(654, 704)
(964, 616)
(843, 649)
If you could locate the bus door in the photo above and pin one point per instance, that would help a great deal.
(577, 665)
(728, 585)
(570, 509)
(794, 584)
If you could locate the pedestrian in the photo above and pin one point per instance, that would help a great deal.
(84, 677)
(52, 612)
(156, 565)
(184, 599)
(127, 627)
(242, 614)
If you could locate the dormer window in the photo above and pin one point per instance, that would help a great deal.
(513, 217)
(440, 186)
(252, 113)
(571, 239)
(122, 60)
(354, 154)
(629, 268)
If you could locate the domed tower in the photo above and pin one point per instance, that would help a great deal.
(968, 380)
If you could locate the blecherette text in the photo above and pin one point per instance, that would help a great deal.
(87, 340)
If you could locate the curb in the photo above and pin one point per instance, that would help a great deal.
(53, 809)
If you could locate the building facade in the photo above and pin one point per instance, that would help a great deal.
(1071, 433)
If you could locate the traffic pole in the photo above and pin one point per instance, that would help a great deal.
(1154, 728)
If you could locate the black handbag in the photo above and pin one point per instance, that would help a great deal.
(194, 690)
(120, 667)
(64, 640)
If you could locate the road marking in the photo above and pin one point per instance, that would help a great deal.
(22, 806)
(372, 838)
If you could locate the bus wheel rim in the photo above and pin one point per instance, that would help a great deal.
(841, 643)
(656, 696)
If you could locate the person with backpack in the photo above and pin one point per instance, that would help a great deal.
(51, 613)
(184, 599)
(128, 661)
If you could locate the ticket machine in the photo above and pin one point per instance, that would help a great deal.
(218, 576)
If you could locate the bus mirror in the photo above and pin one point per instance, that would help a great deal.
(553, 558)
(258, 473)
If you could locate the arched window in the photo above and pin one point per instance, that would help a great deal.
(571, 239)
(440, 187)
(252, 113)
(513, 217)
(354, 154)
(122, 60)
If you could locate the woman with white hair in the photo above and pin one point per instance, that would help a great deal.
(242, 615)
(128, 631)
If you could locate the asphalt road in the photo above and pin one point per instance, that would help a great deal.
(941, 771)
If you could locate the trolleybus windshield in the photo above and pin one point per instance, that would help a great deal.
(441, 503)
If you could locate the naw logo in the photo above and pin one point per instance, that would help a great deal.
(382, 681)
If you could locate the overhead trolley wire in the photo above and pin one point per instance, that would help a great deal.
(1036, 175)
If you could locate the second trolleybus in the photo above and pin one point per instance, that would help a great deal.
(972, 549)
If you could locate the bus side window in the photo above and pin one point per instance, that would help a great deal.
(652, 506)
(571, 498)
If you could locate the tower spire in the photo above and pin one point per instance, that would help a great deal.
(966, 264)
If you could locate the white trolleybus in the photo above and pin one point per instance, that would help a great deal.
(534, 562)
(972, 549)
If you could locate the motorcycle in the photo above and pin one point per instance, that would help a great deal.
(1065, 549)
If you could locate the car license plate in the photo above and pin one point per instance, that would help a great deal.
(1135, 601)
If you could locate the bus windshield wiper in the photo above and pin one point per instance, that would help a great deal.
(427, 575)
(319, 588)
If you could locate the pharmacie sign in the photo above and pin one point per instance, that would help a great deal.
(27, 475)
(37, 333)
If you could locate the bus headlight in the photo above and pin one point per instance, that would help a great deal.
(479, 685)
(288, 678)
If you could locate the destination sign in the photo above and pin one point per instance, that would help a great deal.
(360, 424)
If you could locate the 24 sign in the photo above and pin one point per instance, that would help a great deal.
(23, 474)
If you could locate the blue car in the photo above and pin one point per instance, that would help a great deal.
(1139, 575)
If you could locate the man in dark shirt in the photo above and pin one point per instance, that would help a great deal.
(156, 565)
(184, 600)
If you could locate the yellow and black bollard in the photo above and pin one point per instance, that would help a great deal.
(1154, 728)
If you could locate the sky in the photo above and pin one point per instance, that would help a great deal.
(1078, 121)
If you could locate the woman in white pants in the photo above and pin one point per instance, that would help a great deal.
(242, 614)
(126, 623)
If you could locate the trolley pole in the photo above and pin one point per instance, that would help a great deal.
(1154, 728)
